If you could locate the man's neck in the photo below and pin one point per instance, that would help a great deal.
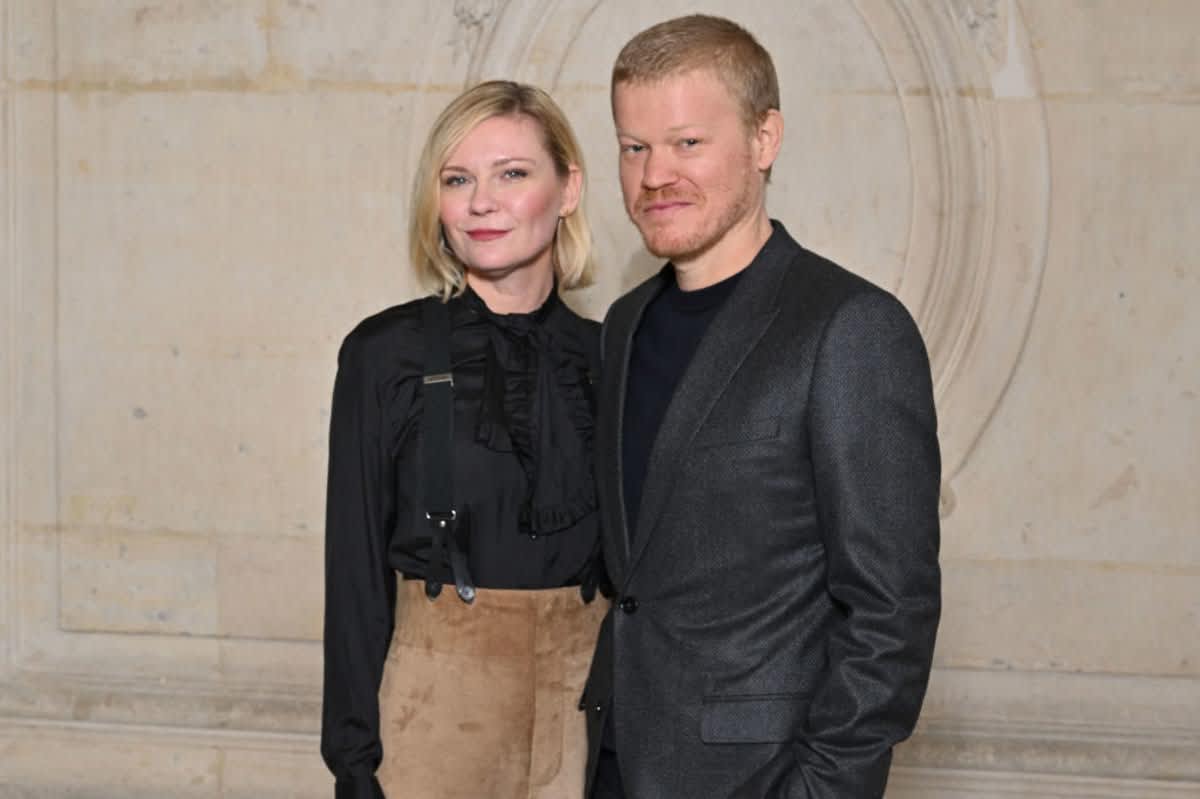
(729, 255)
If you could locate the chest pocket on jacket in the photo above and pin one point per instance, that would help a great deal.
(742, 431)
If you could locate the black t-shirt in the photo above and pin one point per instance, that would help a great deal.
(667, 336)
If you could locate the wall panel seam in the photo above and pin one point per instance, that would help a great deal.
(10, 359)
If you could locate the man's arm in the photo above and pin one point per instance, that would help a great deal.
(877, 472)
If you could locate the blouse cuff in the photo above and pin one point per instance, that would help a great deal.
(365, 787)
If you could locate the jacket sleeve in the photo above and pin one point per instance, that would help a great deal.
(877, 472)
(359, 585)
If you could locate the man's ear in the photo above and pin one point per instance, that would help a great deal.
(768, 138)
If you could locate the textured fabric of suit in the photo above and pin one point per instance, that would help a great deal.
(777, 607)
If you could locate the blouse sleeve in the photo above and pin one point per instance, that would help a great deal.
(359, 584)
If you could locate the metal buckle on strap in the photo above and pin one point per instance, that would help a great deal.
(465, 591)
(443, 537)
(440, 377)
(441, 519)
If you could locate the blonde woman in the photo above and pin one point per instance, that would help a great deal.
(461, 528)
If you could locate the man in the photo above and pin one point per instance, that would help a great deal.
(768, 466)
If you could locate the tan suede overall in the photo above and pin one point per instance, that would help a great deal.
(481, 700)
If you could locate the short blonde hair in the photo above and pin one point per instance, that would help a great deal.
(436, 266)
(702, 42)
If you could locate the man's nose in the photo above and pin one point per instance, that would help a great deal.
(658, 170)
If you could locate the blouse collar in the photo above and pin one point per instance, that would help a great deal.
(516, 322)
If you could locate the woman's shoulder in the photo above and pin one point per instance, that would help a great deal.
(576, 332)
(578, 323)
(393, 329)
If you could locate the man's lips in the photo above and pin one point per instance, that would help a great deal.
(662, 206)
(486, 234)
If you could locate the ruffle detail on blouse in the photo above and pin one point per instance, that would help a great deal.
(537, 403)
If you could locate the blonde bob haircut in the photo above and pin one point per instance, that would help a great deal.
(435, 264)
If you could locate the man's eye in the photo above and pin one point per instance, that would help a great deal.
(632, 148)
(690, 142)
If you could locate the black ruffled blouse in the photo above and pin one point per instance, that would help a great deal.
(526, 502)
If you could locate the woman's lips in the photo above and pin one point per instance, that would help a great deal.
(485, 234)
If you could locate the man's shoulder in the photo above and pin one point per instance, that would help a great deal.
(797, 271)
(842, 304)
(817, 281)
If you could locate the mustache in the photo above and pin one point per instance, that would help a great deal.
(657, 196)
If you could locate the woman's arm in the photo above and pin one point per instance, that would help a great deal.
(359, 584)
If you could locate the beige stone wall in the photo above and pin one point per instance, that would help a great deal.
(200, 197)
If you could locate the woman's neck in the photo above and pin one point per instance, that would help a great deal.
(520, 291)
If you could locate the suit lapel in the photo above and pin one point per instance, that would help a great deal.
(618, 347)
(731, 336)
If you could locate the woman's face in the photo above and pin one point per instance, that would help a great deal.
(500, 197)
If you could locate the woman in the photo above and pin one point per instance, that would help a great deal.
(460, 456)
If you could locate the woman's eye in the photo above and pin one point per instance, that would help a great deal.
(453, 180)
(690, 142)
(515, 174)
(633, 149)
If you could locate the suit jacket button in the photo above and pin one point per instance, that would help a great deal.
(629, 604)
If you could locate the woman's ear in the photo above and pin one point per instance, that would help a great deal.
(572, 190)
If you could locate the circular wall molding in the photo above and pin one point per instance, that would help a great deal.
(963, 75)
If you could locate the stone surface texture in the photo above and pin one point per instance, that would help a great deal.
(201, 197)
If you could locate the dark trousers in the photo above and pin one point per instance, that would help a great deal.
(608, 777)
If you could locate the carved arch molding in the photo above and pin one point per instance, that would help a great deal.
(940, 95)
(959, 117)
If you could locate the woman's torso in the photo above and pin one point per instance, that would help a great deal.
(523, 412)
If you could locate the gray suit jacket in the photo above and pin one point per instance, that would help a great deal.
(775, 616)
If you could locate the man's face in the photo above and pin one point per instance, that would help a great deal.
(689, 166)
